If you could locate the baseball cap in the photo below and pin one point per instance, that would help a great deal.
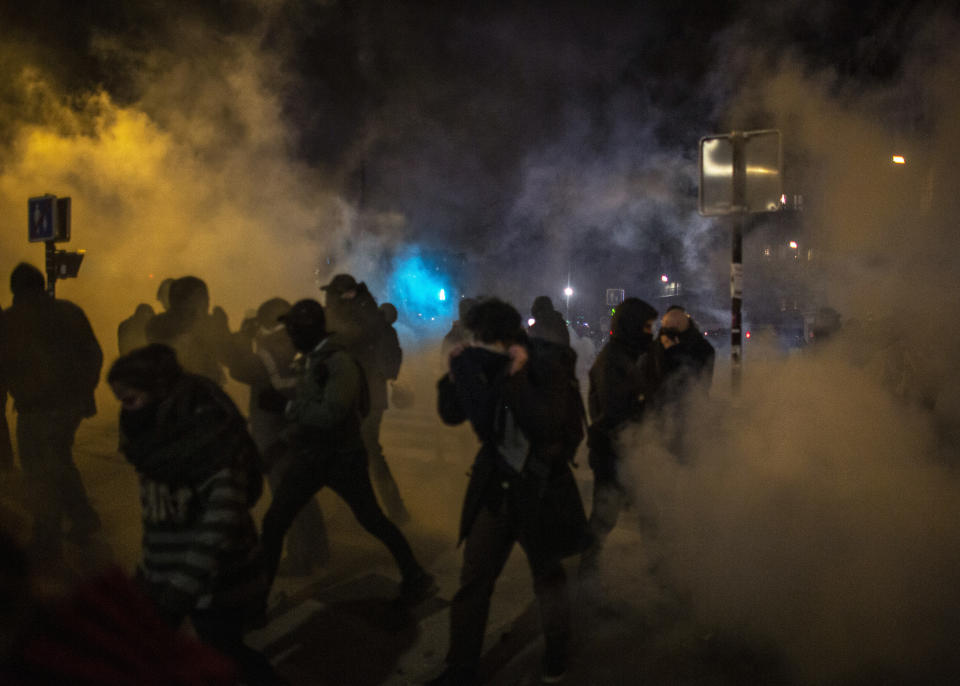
(341, 283)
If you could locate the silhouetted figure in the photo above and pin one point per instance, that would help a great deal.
(359, 326)
(200, 338)
(458, 332)
(132, 331)
(199, 478)
(616, 398)
(523, 403)
(264, 359)
(51, 365)
(6, 448)
(327, 449)
(163, 293)
(399, 396)
(548, 324)
(678, 371)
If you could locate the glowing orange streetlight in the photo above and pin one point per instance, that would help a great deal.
(899, 159)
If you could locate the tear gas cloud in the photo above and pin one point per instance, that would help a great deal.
(817, 512)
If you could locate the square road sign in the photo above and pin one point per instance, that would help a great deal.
(42, 218)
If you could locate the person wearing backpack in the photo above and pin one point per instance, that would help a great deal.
(323, 436)
(361, 327)
(521, 399)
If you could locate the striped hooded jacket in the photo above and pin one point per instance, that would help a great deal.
(198, 480)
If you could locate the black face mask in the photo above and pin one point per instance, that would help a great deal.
(644, 340)
(135, 422)
(304, 339)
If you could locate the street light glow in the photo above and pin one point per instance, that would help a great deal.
(568, 291)
(664, 278)
(899, 159)
(793, 244)
(442, 295)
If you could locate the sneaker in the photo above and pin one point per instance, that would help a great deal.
(418, 588)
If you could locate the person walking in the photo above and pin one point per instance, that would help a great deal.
(323, 435)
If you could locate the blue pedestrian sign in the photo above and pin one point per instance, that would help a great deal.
(42, 218)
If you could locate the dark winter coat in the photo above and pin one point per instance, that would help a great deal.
(359, 327)
(543, 495)
(329, 404)
(550, 326)
(201, 342)
(678, 373)
(615, 398)
(50, 358)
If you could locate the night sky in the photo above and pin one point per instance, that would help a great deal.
(558, 137)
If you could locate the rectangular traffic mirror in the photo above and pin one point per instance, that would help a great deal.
(760, 158)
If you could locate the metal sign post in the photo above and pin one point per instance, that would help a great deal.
(48, 221)
(740, 174)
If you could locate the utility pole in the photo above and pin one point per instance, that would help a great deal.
(736, 260)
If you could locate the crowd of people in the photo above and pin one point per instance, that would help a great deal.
(318, 376)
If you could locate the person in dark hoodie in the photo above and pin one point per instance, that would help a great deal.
(200, 337)
(523, 404)
(199, 478)
(50, 363)
(263, 357)
(548, 324)
(132, 331)
(616, 398)
(677, 372)
(324, 439)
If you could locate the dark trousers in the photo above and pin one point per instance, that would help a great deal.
(488, 546)
(223, 629)
(380, 472)
(307, 542)
(347, 475)
(54, 486)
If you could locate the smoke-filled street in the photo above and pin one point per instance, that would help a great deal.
(316, 313)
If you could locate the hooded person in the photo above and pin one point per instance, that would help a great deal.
(677, 372)
(548, 324)
(132, 331)
(615, 399)
(200, 337)
(521, 399)
(199, 478)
